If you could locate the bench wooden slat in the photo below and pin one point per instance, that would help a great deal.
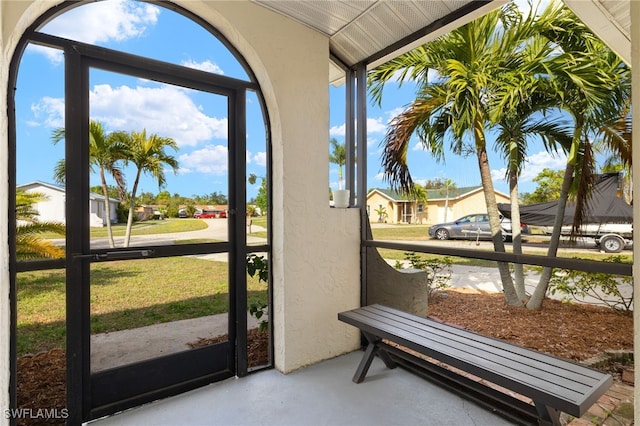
(570, 369)
(548, 380)
(494, 371)
(532, 362)
(518, 350)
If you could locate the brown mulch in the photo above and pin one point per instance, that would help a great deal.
(573, 331)
(576, 332)
(257, 346)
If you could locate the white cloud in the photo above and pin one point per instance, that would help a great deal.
(204, 66)
(395, 112)
(99, 22)
(535, 164)
(260, 159)
(116, 20)
(337, 130)
(165, 110)
(541, 160)
(374, 125)
(55, 56)
(48, 112)
(211, 160)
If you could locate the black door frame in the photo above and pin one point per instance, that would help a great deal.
(92, 396)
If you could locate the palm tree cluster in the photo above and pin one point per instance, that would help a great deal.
(512, 74)
(110, 152)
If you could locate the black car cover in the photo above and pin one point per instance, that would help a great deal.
(604, 206)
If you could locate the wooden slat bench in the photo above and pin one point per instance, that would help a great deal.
(553, 384)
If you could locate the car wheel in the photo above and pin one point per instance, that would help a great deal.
(612, 244)
(442, 234)
(505, 237)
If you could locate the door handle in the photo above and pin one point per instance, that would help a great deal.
(116, 255)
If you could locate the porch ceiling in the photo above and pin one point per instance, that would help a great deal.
(610, 20)
(374, 31)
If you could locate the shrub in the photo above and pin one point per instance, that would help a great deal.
(438, 271)
(596, 288)
(258, 265)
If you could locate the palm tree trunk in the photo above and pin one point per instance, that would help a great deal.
(535, 302)
(107, 213)
(132, 206)
(511, 298)
(516, 234)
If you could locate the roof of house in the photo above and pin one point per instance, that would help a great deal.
(432, 194)
(60, 188)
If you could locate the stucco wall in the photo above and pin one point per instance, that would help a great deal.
(315, 248)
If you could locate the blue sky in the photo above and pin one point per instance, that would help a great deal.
(197, 121)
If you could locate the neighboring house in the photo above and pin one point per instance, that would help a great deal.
(202, 207)
(439, 207)
(53, 208)
(149, 211)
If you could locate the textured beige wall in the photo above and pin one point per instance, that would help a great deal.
(315, 254)
(315, 248)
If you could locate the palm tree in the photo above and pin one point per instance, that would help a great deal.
(28, 245)
(105, 152)
(449, 185)
(615, 139)
(593, 87)
(470, 62)
(486, 69)
(515, 129)
(418, 195)
(148, 154)
(338, 156)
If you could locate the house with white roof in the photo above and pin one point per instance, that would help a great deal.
(52, 209)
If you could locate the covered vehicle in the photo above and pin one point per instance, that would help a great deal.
(608, 219)
(472, 226)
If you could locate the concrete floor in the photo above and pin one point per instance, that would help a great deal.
(322, 394)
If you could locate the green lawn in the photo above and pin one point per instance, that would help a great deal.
(149, 227)
(421, 233)
(124, 294)
(129, 294)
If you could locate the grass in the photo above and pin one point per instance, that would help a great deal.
(262, 222)
(420, 233)
(125, 294)
(149, 227)
(136, 293)
(146, 227)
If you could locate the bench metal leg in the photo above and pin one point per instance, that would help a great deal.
(365, 363)
(547, 416)
(369, 353)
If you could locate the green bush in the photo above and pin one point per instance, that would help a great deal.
(258, 265)
(598, 287)
(438, 271)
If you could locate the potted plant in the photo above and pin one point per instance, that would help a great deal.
(339, 156)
